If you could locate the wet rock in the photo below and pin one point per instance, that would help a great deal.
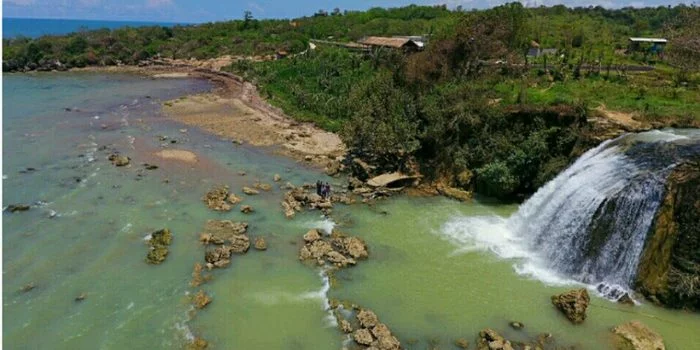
(27, 287)
(150, 166)
(462, 343)
(263, 187)
(220, 231)
(159, 242)
(363, 337)
(215, 199)
(197, 277)
(355, 247)
(636, 336)
(308, 158)
(233, 199)
(626, 299)
(288, 209)
(240, 244)
(119, 160)
(250, 191)
(367, 318)
(277, 178)
(312, 235)
(573, 304)
(246, 209)
(319, 249)
(81, 297)
(333, 167)
(491, 340)
(516, 325)
(13, 208)
(201, 300)
(338, 259)
(345, 326)
(197, 344)
(260, 243)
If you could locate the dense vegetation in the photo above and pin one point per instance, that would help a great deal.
(471, 108)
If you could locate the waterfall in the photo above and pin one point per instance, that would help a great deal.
(588, 224)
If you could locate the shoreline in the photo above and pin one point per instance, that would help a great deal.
(234, 110)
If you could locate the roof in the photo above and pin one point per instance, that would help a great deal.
(384, 41)
(649, 40)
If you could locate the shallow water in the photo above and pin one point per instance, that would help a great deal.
(426, 285)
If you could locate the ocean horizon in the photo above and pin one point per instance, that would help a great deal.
(36, 27)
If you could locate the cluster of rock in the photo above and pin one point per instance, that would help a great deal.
(227, 237)
(337, 249)
(298, 198)
(12, 208)
(159, 242)
(118, 159)
(367, 331)
(219, 199)
(635, 335)
(573, 304)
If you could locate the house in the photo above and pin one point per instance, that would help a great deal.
(395, 43)
(652, 45)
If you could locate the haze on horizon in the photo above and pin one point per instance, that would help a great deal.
(197, 11)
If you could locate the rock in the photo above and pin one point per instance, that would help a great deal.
(516, 325)
(27, 287)
(308, 158)
(381, 330)
(304, 253)
(12, 208)
(263, 187)
(455, 193)
(119, 160)
(388, 343)
(216, 198)
(219, 231)
(201, 300)
(491, 340)
(246, 209)
(250, 191)
(319, 249)
(363, 337)
(81, 297)
(626, 299)
(338, 259)
(277, 178)
(161, 237)
(150, 166)
(668, 272)
(159, 242)
(391, 180)
(573, 304)
(462, 343)
(636, 336)
(356, 247)
(345, 326)
(240, 244)
(361, 170)
(157, 255)
(197, 344)
(367, 318)
(312, 235)
(260, 243)
(288, 210)
(332, 168)
(233, 199)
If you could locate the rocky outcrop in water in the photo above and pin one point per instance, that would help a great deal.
(299, 198)
(219, 199)
(337, 250)
(119, 160)
(158, 250)
(260, 244)
(228, 237)
(367, 331)
(491, 340)
(669, 268)
(573, 304)
(13, 208)
(635, 335)
(201, 300)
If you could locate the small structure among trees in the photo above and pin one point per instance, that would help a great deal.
(651, 45)
(404, 43)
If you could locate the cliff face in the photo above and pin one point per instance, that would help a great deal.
(669, 268)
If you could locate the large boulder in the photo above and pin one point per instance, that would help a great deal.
(573, 304)
(363, 337)
(367, 318)
(669, 268)
(635, 335)
(491, 340)
(216, 198)
(158, 250)
(312, 235)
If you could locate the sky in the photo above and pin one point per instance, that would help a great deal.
(197, 11)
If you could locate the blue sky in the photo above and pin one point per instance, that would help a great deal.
(214, 10)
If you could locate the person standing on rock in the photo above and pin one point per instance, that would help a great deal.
(327, 190)
(319, 188)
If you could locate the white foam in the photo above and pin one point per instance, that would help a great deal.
(325, 225)
(130, 306)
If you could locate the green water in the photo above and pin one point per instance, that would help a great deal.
(415, 279)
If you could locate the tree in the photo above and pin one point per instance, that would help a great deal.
(248, 19)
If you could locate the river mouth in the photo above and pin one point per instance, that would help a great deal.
(421, 283)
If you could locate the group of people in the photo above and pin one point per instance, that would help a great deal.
(323, 190)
